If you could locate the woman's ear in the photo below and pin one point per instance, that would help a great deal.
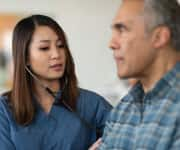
(28, 65)
(161, 36)
(27, 61)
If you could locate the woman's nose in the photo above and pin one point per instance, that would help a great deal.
(55, 53)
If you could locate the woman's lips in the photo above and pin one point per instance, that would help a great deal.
(57, 67)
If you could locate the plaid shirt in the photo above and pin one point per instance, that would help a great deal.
(147, 121)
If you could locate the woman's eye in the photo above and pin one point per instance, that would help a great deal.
(44, 48)
(60, 46)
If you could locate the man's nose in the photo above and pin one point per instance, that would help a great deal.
(114, 42)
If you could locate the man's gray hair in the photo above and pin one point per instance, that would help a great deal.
(164, 12)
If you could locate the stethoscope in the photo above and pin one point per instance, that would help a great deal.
(87, 124)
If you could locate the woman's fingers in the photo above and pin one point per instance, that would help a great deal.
(95, 145)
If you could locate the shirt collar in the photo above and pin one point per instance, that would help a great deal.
(168, 81)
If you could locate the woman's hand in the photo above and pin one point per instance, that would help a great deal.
(95, 145)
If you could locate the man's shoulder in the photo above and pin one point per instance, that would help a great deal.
(174, 91)
(173, 77)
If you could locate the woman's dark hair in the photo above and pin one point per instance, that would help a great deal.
(21, 95)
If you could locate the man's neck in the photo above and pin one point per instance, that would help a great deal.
(160, 67)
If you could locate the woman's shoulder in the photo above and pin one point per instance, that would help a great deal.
(88, 98)
(5, 112)
(93, 107)
(3, 102)
(86, 92)
(4, 106)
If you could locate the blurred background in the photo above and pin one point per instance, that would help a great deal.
(87, 24)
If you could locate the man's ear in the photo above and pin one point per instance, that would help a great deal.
(161, 36)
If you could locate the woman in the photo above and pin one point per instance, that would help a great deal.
(45, 110)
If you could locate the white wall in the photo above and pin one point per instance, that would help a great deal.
(87, 24)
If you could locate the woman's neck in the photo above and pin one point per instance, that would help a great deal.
(43, 97)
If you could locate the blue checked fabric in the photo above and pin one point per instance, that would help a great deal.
(147, 121)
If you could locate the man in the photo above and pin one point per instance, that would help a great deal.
(146, 44)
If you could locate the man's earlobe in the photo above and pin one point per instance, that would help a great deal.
(161, 37)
